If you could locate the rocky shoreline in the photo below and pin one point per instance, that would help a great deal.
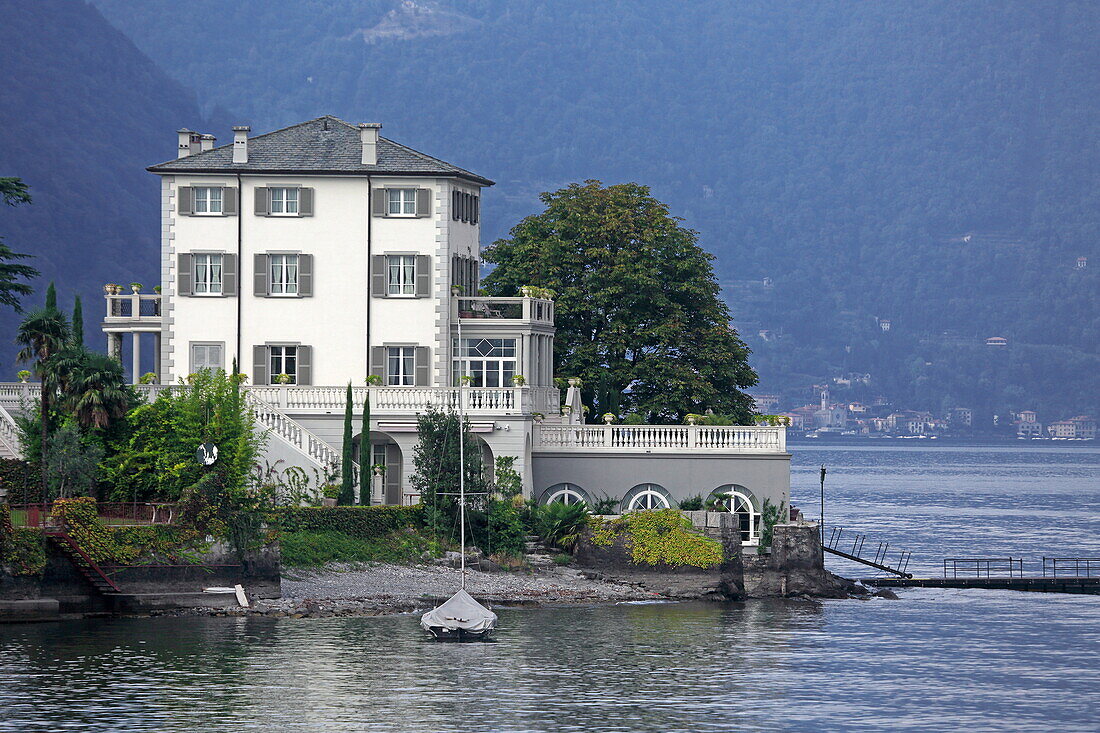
(379, 589)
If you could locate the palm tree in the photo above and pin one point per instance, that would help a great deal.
(42, 334)
(96, 391)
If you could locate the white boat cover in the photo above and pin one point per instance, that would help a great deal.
(461, 611)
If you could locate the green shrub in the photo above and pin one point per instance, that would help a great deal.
(22, 479)
(661, 537)
(560, 524)
(362, 522)
(692, 503)
(310, 549)
(23, 551)
(562, 559)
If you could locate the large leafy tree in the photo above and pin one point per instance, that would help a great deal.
(14, 192)
(638, 312)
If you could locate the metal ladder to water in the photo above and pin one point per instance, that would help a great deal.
(878, 561)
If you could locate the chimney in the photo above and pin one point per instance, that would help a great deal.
(240, 143)
(206, 142)
(368, 134)
(186, 138)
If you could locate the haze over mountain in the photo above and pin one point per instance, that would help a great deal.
(934, 164)
(83, 113)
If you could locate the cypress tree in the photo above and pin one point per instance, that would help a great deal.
(78, 322)
(365, 457)
(347, 471)
(51, 296)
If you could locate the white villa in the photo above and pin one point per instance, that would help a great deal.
(323, 253)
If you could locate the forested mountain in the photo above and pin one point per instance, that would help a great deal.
(82, 112)
(933, 163)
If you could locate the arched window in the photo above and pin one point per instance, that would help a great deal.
(738, 500)
(646, 496)
(565, 494)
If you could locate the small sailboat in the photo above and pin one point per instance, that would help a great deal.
(460, 618)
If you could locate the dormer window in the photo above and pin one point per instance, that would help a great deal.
(284, 201)
(207, 200)
(401, 201)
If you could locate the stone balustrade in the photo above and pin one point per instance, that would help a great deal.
(655, 438)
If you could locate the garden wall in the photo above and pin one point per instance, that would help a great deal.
(662, 552)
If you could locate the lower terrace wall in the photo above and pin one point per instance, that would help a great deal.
(682, 475)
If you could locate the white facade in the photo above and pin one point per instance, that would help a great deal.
(320, 254)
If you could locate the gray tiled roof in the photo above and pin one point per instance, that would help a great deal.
(324, 145)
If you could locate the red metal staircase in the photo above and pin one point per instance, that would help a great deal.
(84, 564)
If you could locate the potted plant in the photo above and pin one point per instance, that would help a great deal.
(527, 291)
(608, 418)
(456, 290)
(136, 287)
(156, 289)
(23, 375)
(538, 416)
(466, 380)
(692, 418)
(518, 380)
(282, 379)
(112, 288)
(566, 409)
(373, 380)
(574, 381)
(148, 378)
(330, 492)
(378, 469)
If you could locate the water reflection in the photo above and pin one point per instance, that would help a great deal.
(937, 660)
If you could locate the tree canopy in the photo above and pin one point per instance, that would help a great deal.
(14, 192)
(637, 311)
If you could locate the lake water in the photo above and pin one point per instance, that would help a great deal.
(934, 660)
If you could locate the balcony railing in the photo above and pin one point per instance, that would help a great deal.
(133, 307)
(393, 400)
(537, 310)
(484, 400)
(660, 438)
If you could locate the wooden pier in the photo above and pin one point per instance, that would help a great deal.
(1040, 584)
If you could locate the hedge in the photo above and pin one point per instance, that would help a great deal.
(365, 522)
(22, 479)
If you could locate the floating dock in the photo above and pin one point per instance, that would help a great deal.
(1084, 585)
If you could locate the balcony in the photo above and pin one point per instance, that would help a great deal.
(660, 438)
(507, 310)
(132, 312)
(390, 401)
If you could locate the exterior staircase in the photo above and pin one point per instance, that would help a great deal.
(84, 564)
(10, 446)
(314, 451)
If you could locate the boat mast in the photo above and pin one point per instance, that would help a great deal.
(461, 463)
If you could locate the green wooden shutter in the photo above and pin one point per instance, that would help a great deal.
(229, 275)
(185, 274)
(378, 202)
(305, 276)
(423, 276)
(305, 365)
(454, 205)
(421, 361)
(305, 202)
(378, 361)
(261, 276)
(229, 201)
(260, 365)
(263, 201)
(423, 202)
(378, 276)
(183, 200)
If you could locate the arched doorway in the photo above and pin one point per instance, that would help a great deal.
(565, 494)
(739, 501)
(645, 497)
(381, 466)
